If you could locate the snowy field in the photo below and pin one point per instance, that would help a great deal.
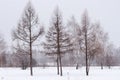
(68, 74)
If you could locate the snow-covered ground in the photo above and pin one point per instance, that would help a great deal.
(68, 74)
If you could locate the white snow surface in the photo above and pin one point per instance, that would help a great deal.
(69, 73)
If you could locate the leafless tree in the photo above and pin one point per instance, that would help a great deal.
(90, 44)
(2, 45)
(57, 40)
(2, 52)
(117, 56)
(103, 39)
(28, 30)
(110, 55)
(75, 34)
(21, 56)
(109, 60)
(3, 60)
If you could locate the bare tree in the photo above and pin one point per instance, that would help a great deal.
(109, 56)
(75, 34)
(90, 42)
(28, 30)
(2, 52)
(57, 40)
(2, 45)
(21, 56)
(85, 28)
(3, 60)
(117, 56)
(103, 39)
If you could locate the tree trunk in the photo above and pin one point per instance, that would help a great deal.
(86, 53)
(57, 65)
(101, 65)
(58, 47)
(60, 66)
(31, 70)
(77, 66)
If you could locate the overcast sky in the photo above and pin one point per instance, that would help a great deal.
(105, 11)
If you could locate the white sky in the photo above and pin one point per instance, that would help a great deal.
(105, 11)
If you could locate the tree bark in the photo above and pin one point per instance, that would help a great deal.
(58, 46)
(57, 65)
(87, 69)
(60, 65)
(31, 70)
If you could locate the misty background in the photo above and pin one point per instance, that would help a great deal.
(105, 11)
